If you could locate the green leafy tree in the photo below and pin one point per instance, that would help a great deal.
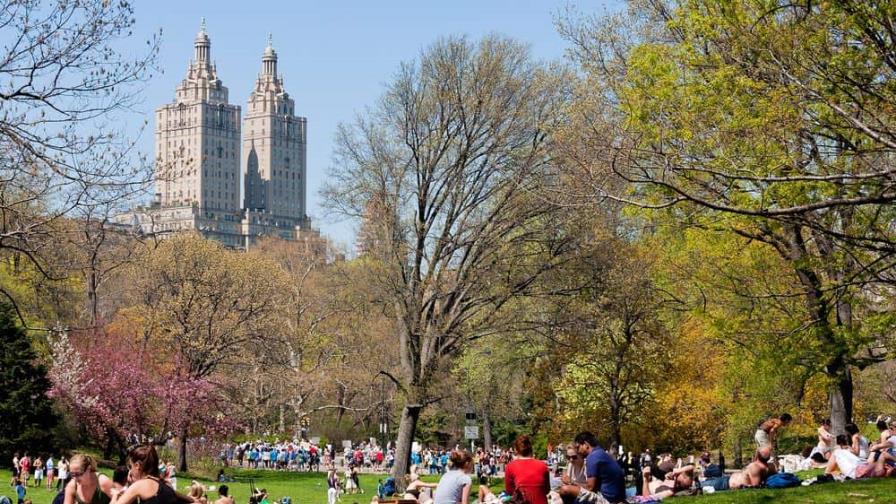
(29, 421)
(769, 121)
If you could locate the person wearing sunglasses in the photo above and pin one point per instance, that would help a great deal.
(85, 485)
(575, 467)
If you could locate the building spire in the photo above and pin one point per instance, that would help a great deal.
(201, 46)
(269, 60)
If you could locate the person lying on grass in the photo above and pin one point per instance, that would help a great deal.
(752, 476)
(677, 480)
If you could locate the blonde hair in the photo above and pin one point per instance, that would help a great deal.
(86, 462)
(196, 490)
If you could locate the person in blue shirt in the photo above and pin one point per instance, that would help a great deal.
(604, 479)
(20, 491)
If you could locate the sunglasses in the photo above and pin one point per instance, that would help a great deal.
(572, 457)
(76, 474)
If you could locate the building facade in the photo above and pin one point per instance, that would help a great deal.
(230, 180)
(274, 152)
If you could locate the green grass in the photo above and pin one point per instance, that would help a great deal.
(866, 491)
(311, 488)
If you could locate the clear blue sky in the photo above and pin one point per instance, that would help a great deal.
(335, 56)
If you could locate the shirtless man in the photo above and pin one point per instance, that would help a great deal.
(753, 475)
(225, 497)
(676, 480)
(767, 433)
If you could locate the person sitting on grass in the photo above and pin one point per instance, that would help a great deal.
(86, 486)
(887, 442)
(848, 464)
(858, 443)
(224, 495)
(146, 484)
(197, 492)
(843, 460)
(825, 444)
(454, 486)
(415, 488)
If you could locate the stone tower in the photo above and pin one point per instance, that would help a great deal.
(198, 140)
(274, 149)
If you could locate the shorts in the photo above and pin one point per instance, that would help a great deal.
(762, 440)
(719, 484)
(589, 497)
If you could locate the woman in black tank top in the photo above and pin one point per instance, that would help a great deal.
(147, 488)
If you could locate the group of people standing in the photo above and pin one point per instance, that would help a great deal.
(47, 471)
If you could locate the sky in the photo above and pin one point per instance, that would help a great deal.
(335, 56)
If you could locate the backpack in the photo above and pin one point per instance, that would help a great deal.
(713, 471)
(782, 480)
(388, 488)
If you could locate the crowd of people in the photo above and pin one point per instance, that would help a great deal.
(304, 455)
(593, 475)
(590, 475)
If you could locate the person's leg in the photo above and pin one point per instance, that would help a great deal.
(831, 468)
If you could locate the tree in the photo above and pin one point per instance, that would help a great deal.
(119, 392)
(207, 306)
(62, 82)
(453, 157)
(769, 121)
(29, 420)
(614, 342)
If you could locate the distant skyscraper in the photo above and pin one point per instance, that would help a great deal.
(202, 161)
(197, 140)
(274, 148)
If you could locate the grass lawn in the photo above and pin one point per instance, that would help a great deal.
(311, 488)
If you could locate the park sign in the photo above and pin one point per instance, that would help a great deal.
(471, 432)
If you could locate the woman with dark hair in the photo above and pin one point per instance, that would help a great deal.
(527, 475)
(146, 487)
(858, 443)
(454, 487)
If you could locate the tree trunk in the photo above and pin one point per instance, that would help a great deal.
(486, 431)
(182, 451)
(738, 453)
(406, 430)
(282, 425)
(841, 401)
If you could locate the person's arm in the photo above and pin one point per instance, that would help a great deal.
(854, 447)
(465, 494)
(186, 499)
(645, 478)
(130, 494)
(70, 489)
(105, 483)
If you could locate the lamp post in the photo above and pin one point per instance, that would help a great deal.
(384, 418)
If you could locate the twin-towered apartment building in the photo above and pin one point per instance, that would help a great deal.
(231, 178)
